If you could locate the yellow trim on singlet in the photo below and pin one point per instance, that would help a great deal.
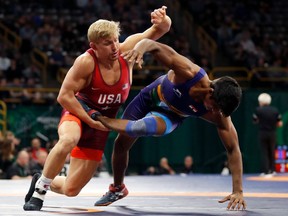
(161, 97)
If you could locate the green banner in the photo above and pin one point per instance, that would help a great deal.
(28, 121)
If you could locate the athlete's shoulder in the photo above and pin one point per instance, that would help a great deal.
(84, 63)
(84, 58)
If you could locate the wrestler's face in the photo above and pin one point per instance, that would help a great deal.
(211, 105)
(107, 48)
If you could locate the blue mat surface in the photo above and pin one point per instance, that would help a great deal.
(157, 195)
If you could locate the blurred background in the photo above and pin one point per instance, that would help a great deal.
(247, 40)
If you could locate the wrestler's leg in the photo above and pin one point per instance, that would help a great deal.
(69, 134)
(80, 173)
(120, 157)
(123, 143)
(147, 126)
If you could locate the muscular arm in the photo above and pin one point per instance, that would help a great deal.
(181, 65)
(229, 138)
(76, 79)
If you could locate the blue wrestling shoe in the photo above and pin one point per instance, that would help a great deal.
(114, 194)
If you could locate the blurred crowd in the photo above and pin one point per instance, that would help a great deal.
(164, 167)
(17, 162)
(20, 162)
(59, 29)
(248, 34)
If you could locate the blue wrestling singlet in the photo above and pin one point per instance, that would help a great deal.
(178, 99)
(163, 97)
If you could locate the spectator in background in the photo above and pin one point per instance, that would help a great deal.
(162, 169)
(56, 59)
(15, 140)
(268, 118)
(165, 168)
(16, 92)
(36, 166)
(151, 170)
(7, 156)
(19, 169)
(32, 71)
(4, 94)
(14, 71)
(36, 148)
(5, 61)
(225, 170)
(26, 32)
(188, 165)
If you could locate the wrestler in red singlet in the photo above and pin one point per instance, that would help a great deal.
(104, 98)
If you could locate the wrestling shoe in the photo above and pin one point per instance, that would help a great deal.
(34, 204)
(31, 190)
(114, 194)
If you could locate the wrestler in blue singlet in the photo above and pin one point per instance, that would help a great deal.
(167, 100)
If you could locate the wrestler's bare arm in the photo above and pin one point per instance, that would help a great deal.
(76, 79)
(182, 66)
(229, 138)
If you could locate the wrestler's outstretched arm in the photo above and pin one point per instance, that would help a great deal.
(183, 67)
(147, 126)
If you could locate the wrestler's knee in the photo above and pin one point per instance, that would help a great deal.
(71, 191)
(142, 127)
(66, 143)
(123, 143)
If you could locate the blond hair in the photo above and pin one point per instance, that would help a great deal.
(103, 29)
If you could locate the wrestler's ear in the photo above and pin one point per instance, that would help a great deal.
(92, 45)
(211, 90)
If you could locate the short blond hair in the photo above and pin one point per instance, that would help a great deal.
(103, 29)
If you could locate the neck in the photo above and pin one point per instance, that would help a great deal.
(198, 94)
(107, 64)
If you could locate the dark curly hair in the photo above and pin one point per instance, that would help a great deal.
(227, 94)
